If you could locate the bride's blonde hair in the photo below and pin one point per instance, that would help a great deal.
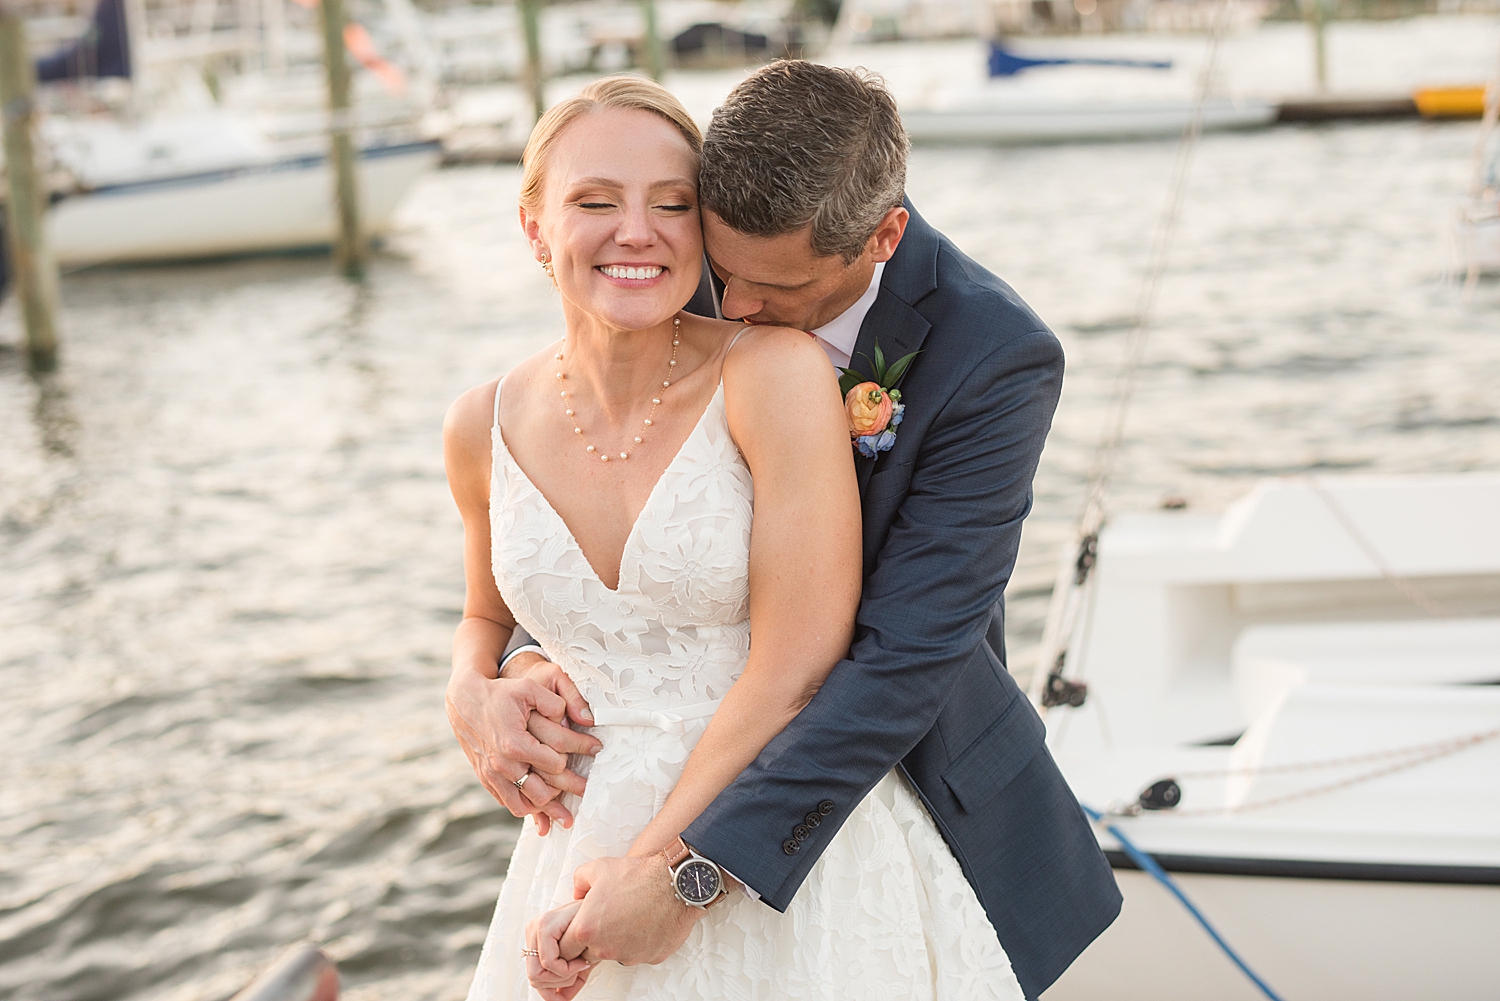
(614, 92)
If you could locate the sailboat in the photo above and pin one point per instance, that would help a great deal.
(1284, 720)
(996, 114)
(1294, 707)
(210, 180)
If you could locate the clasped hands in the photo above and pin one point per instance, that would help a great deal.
(515, 727)
(624, 910)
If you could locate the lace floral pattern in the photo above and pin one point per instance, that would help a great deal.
(885, 912)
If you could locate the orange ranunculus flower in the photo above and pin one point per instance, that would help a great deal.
(869, 409)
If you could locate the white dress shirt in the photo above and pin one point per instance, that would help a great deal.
(838, 336)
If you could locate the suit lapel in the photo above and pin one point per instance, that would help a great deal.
(899, 330)
(892, 321)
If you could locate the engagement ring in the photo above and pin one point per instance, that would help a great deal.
(522, 780)
(529, 952)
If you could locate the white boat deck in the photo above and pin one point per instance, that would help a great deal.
(1333, 821)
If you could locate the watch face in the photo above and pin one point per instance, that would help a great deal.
(698, 882)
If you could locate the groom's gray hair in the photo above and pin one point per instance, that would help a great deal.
(800, 144)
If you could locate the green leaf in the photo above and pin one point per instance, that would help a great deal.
(879, 364)
(849, 380)
(897, 370)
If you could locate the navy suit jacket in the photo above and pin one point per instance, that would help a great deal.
(925, 683)
(925, 687)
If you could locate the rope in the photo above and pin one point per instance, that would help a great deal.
(1150, 865)
(1108, 450)
(1073, 574)
(1408, 589)
(1451, 745)
(1411, 757)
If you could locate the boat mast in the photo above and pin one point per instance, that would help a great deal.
(135, 37)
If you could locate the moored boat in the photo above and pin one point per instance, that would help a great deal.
(981, 118)
(1308, 688)
(228, 193)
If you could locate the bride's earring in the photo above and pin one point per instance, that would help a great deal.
(547, 265)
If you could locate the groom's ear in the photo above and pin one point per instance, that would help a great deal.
(887, 235)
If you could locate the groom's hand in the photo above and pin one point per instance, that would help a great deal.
(516, 724)
(629, 912)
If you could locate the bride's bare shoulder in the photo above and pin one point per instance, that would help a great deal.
(778, 354)
(466, 427)
(780, 389)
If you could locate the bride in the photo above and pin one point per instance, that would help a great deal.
(644, 495)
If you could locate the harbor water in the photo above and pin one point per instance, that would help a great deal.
(230, 569)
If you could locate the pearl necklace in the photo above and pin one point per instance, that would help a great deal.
(655, 400)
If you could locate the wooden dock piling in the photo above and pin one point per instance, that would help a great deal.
(536, 80)
(650, 43)
(35, 270)
(1317, 16)
(349, 246)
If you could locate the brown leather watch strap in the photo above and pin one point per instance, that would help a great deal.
(676, 854)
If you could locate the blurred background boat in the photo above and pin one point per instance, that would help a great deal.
(214, 142)
(987, 119)
(997, 112)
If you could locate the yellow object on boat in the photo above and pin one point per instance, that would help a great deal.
(1450, 102)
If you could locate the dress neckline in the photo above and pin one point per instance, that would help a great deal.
(499, 438)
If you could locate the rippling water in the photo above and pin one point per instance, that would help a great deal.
(229, 567)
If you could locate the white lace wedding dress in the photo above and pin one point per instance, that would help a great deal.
(884, 913)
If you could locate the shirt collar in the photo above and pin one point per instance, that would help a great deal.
(842, 331)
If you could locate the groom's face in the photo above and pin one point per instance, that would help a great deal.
(779, 280)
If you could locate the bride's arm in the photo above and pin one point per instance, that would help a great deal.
(490, 716)
(782, 400)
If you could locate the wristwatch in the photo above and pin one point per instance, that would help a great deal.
(696, 881)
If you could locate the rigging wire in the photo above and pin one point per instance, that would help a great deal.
(1406, 586)
(1047, 684)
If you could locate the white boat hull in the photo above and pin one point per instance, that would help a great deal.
(1334, 737)
(1310, 939)
(281, 205)
(1021, 124)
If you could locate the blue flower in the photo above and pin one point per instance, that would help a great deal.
(896, 415)
(872, 444)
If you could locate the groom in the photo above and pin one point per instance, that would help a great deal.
(806, 226)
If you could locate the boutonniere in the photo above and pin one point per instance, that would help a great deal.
(874, 406)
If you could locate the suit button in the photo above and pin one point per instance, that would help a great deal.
(812, 819)
(825, 807)
(800, 832)
(790, 846)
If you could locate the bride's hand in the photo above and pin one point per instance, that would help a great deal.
(553, 976)
(511, 727)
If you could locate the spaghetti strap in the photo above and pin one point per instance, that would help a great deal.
(740, 333)
(498, 383)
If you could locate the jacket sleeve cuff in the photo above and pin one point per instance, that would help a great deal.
(524, 648)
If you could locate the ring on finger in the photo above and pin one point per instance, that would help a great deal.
(518, 783)
(530, 952)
